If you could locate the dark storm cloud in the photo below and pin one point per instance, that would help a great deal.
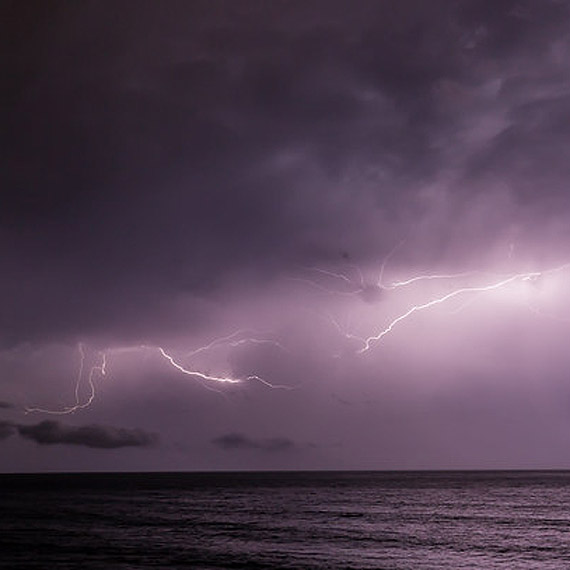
(175, 172)
(239, 441)
(50, 432)
(6, 429)
(153, 154)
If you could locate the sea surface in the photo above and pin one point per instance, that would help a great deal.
(313, 520)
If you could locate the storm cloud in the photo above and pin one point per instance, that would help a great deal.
(49, 432)
(246, 140)
(254, 189)
(6, 429)
(239, 441)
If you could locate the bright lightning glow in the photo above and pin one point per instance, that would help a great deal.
(222, 379)
(372, 292)
(207, 380)
(85, 383)
(396, 284)
(220, 342)
(531, 275)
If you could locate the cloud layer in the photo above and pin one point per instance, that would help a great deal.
(49, 432)
(248, 141)
(238, 441)
(265, 173)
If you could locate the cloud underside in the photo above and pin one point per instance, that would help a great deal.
(49, 432)
(263, 137)
(238, 441)
(6, 429)
(176, 175)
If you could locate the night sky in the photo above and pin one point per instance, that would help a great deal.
(285, 234)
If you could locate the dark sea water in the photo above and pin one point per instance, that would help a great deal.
(311, 520)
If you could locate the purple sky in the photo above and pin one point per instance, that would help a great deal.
(277, 174)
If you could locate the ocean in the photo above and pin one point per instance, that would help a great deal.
(305, 520)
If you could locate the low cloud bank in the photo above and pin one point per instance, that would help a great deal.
(49, 432)
(238, 441)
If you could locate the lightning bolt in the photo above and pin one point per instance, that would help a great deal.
(371, 340)
(396, 284)
(85, 383)
(100, 369)
(221, 379)
(370, 291)
(385, 263)
(206, 380)
(196, 373)
(344, 333)
(360, 286)
(341, 276)
(229, 340)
